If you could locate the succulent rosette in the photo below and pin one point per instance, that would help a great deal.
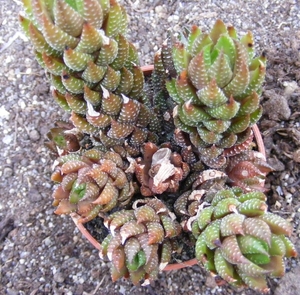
(93, 68)
(90, 183)
(215, 81)
(63, 138)
(239, 240)
(160, 170)
(248, 170)
(140, 241)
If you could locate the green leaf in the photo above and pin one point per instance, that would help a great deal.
(225, 207)
(277, 246)
(226, 45)
(223, 267)
(205, 217)
(77, 192)
(212, 234)
(138, 260)
(211, 95)
(194, 34)
(56, 37)
(218, 29)
(202, 43)
(241, 76)
(232, 224)
(251, 245)
(75, 60)
(67, 18)
(181, 57)
(226, 111)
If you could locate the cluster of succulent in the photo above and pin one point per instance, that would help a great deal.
(214, 80)
(93, 69)
(140, 240)
(238, 239)
(90, 183)
(164, 164)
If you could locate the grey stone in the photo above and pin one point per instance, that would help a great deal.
(34, 195)
(58, 277)
(34, 135)
(8, 172)
(11, 292)
(277, 106)
(276, 164)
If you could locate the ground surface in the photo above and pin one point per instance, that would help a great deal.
(42, 253)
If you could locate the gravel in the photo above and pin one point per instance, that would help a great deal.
(44, 254)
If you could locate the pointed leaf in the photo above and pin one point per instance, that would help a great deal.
(257, 228)
(232, 224)
(212, 234)
(277, 224)
(57, 38)
(72, 24)
(211, 95)
(226, 111)
(92, 13)
(223, 267)
(241, 76)
(218, 29)
(231, 251)
(108, 52)
(71, 83)
(181, 57)
(90, 39)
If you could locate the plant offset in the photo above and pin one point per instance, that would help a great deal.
(162, 165)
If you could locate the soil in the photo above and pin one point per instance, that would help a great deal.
(42, 253)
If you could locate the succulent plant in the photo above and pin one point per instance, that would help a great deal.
(93, 68)
(63, 139)
(107, 157)
(215, 82)
(248, 170)
(140, 240)
(160, 170)
(91, 182)
(239, 240)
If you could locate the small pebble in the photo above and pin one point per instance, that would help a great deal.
(7, 139)
(11, 292)
(58, 277)
(296, 156)
(7, 172)
(34, 135)
(47, 241)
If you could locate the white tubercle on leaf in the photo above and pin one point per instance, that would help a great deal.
(105, 92)
(60, 151)
(125, 98)
(105, 39)
(91, 112)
